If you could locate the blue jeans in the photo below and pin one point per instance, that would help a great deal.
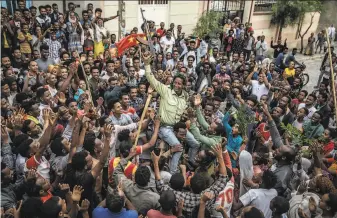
(166, 133)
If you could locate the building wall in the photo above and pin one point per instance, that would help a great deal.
(184, 13)
(262, 26)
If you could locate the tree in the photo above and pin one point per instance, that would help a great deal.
(311, 7)
(289, 12)
(208, 23)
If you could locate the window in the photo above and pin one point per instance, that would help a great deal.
(153, 2)
(263, 5)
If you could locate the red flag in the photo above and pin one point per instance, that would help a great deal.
(127, 42)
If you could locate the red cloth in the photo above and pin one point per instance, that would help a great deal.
(160, 32)
(128, 42)
(265, 133)
(328, 147)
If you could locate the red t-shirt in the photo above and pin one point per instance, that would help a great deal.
(160, 32)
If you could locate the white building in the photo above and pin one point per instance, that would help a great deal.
(185, 13)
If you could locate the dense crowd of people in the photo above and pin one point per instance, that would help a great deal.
(197, 127)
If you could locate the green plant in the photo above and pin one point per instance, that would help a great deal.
(297, 137)
(243, 120)
(208, 23)
(290, 12)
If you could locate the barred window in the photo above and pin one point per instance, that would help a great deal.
(264, 5)
(153, 2)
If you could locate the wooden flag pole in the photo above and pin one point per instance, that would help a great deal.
(332, 75)
(148, 100)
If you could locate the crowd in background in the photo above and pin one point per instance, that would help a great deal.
(226, 132)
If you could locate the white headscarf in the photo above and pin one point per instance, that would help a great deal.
(246, 170)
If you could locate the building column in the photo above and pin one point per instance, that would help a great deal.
(248, 11)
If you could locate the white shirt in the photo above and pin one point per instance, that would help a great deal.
(259, 198)
(141, 73)
(259, 89)
(331, 31)
(203, 85)
(225, 198)
(167, 44)
(171, 63)
(311, 110)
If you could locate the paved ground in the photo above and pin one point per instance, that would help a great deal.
(313, 64)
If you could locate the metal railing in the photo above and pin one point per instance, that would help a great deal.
(263, 5)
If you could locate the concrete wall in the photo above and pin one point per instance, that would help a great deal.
(262, 26)
(185, 13)
(39, 3)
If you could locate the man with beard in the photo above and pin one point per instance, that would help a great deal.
(309, 104)
(313, 128)
(192, 50)
(173, 62)
(55, 15)
(288, 117)
(284, 155)
(161, 31)
(54, 46)
(172, 106)
(109, 71)
(128, 56)
(167, 42)
(204, 77)
(32, 113)
(31, 150)
(228, 43)
(95, 83)
(323, 108)
(279, 47)
(43, 20)
(17, 21)
(136, 102)
(44, 61)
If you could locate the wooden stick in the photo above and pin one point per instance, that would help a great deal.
(332, 76)
(148, 100)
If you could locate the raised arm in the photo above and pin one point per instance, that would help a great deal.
(225, 123)
(265, 79)
(275, 135)
(249, 77)
(110, 18)
(154, 137)
(45, 138)
(74, 139)
(102, 160)
(67, 81)
(220, 183)
(158, 86)
(201, 119)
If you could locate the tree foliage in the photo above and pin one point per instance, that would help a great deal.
(208, 23)
(290, 12)
(243, 119)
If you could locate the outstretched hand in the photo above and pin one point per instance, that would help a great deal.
(197, 100)
(77, 193)
(147, 58)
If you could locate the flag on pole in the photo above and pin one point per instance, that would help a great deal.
(127, 42)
